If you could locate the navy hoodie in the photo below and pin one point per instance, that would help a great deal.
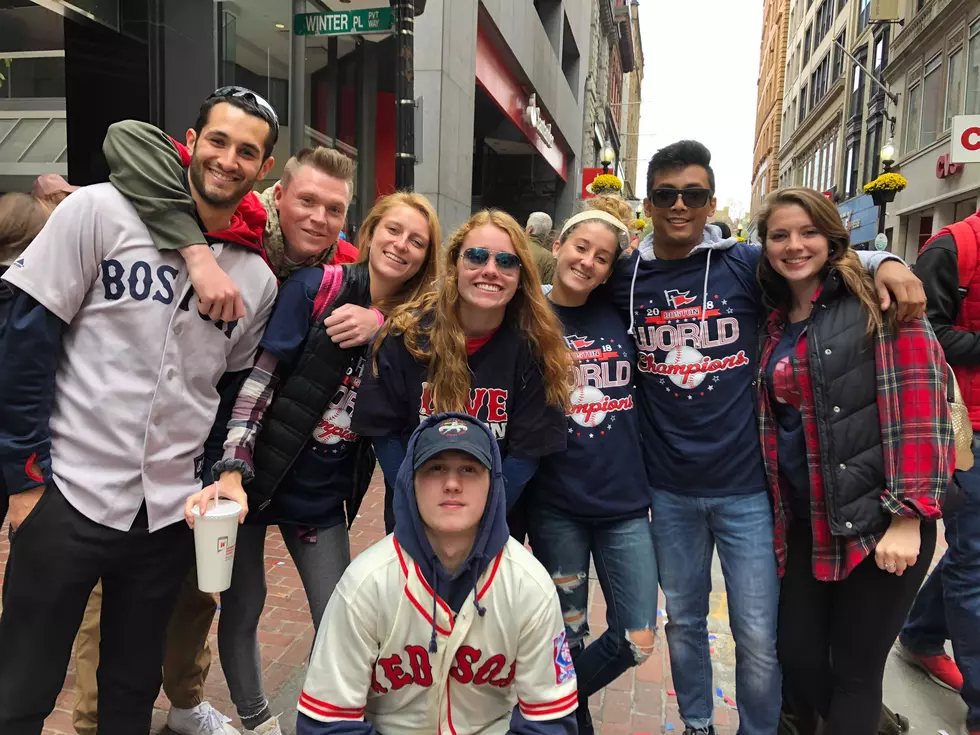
(455, 587)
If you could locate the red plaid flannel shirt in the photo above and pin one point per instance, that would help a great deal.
(917, 441)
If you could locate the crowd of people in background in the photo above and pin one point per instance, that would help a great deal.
(541, 400)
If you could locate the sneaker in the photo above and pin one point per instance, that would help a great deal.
(269, 727)
(201, 720)
(941, 669)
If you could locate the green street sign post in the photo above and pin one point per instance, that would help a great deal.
(344, 22)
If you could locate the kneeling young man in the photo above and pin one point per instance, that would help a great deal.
(448, 625)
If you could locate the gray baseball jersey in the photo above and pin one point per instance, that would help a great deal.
(136, 391)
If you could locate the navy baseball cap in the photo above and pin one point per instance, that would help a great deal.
(453, 434)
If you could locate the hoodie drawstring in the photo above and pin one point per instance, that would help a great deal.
(704, 296)
(481, 611)
(435, 597)
(636, 268)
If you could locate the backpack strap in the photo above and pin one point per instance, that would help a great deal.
(333, 279)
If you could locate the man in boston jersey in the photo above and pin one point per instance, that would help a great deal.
(108, 391)
(448, 625)
(694, 307)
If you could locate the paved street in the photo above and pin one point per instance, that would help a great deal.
(641, 702)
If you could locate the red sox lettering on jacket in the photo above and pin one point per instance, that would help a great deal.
(469, 667)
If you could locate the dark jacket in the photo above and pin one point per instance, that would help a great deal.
(302, 398)
(845, 398)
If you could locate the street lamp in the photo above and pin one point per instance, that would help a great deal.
(882, 198)
(608, 156)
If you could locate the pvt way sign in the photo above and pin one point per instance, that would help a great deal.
(344, 22)
(964, 144)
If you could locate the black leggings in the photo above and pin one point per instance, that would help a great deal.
(834, 637)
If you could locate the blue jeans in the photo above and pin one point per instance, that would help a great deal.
(627, 570)
(685, 531)
(948, 605)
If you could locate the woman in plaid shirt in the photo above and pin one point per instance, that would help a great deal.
(858, 447)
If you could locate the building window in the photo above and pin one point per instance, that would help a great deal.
(802, 103)
(807, 39)
(932, 100)
(839, 55)
(819, 81)
(832, 166)
(973, 72)
(853, 164)
(840, 6)
(912, 118)
(857, 89)
(864, 15)
(825, 18)
(954, 87)
(872, 152)
(879, 55)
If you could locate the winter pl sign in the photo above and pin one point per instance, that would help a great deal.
(344, 22)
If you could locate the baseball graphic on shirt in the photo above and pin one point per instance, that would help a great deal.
(334, 427)
(582, 397)
(685, 355)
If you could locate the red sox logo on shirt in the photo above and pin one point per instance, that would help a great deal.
(469, 667)
(489, 405)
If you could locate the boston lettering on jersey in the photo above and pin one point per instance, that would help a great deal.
(138, 281)
(468, 667)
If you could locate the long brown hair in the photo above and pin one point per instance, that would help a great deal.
(434, 336)
(22, 216)
(826, 219)
(428, 273)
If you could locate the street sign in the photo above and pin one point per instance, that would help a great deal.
(344, 22)
(964, 144)
(881, 241)
(884, 10)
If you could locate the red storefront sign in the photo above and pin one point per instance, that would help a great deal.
(508, 94)
(588, 176)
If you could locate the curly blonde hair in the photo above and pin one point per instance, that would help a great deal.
(428, 273)
(434, 337)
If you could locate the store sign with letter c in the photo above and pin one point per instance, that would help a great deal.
(965, 139)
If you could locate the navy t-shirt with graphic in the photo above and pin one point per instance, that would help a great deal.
(507, 393)
(600, 475)
(313, 492)
(696, 325)
(786, 399)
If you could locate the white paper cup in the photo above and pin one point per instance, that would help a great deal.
(215, 534)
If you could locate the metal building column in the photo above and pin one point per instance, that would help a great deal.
(297, 84)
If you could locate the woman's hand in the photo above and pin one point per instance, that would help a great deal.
(228, 487)
(899, 548)
(352, 326)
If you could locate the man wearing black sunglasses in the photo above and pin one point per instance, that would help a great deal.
(695, 308)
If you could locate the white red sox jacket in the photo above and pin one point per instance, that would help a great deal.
(372, 661)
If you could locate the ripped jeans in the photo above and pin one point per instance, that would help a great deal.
(626, 567)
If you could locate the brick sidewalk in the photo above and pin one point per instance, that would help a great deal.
(640, 702)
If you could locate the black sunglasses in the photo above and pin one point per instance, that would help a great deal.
(480, 256)
(667, 197)
(266, 110)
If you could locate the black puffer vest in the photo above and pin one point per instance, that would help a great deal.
(845, 396)
(304, 395)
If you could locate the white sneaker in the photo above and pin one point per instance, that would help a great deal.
(269, 727)
(201, 720)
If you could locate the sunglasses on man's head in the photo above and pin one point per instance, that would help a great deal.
(479, 257)
(260, 103)
(694, 198)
